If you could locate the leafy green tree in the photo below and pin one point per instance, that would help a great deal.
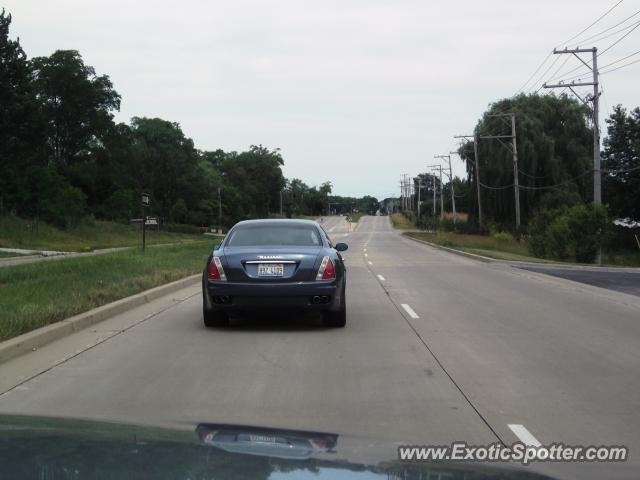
(621, 160)
(554, 154)
(21, 142)
(163, 157)
(77, 104)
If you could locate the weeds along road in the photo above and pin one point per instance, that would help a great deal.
(437, 348)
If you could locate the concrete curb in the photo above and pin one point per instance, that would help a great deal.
(473, 256)
(523, 264)
(35, 339)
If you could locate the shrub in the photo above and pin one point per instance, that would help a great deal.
(502, 237)
(578, 232)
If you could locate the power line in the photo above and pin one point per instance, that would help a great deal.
(597, 38)
(555, 60)
(570, 180)
(596, 21)
(532, 87)
(618, 68)
(619, 40)
(496, 188)
(636, 25)
(610, 28)
(620, 59)
(602, 67)
(534, 73)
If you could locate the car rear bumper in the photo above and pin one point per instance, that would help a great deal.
(298, 296)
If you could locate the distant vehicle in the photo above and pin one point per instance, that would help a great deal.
(275, 264)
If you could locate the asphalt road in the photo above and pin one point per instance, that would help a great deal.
(437, 348)
(626, 282)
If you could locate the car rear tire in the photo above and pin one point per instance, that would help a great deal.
(215, 318)
(335, 319)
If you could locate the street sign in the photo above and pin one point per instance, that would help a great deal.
(151, 221)
(146, 199)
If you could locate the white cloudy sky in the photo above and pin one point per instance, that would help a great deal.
(353, 91)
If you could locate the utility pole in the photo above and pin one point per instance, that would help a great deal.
(280, 202)
(595, 99)
(433, 184)
(514, 151)
(439, 168)
(220, 209)
(475, 155)
(419, 188)
(453, 195)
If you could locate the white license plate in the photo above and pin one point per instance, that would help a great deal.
(270, 270)
(262, 439)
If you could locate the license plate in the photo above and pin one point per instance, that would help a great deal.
(262, 439)
(270, 270)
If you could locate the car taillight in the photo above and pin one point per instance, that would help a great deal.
(216, 272)
(326, 271)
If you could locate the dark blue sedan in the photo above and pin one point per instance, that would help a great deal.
(277, 264)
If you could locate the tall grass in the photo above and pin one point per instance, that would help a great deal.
(38, 294)
(20, 233)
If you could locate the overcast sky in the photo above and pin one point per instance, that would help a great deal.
(357, 92)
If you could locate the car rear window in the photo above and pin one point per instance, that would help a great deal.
(264, 235)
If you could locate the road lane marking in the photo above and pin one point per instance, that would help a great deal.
(332, 229)
(370, 262)
(381, 277)
(366, 254)
(409, 310)
(524, 435)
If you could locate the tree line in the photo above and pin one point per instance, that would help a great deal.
(555, 162)
(63, 157)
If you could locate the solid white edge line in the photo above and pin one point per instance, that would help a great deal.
(409, 310)
(524, 435)
(381, 277)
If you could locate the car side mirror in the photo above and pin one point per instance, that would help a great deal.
(341, 247)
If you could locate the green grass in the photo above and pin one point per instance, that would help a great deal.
(42, 293)
(19, 233)
(10, 254)
(480, 245)
(511, 250)
(401, 222)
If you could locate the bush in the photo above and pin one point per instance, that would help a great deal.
(502, 237)
(578, 232)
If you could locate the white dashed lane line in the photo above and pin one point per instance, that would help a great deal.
(381, 277)
(409, 310)
(524, 435)
(370, 262)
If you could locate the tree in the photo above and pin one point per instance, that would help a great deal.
(554, 154)
(164, 159)
(621, 162)
(77, 104)
(21, 144)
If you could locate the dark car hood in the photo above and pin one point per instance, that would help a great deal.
(36, 447)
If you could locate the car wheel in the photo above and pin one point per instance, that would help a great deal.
(335, 319)
(215, 318)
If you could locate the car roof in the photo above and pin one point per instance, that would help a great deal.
(276, 221)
